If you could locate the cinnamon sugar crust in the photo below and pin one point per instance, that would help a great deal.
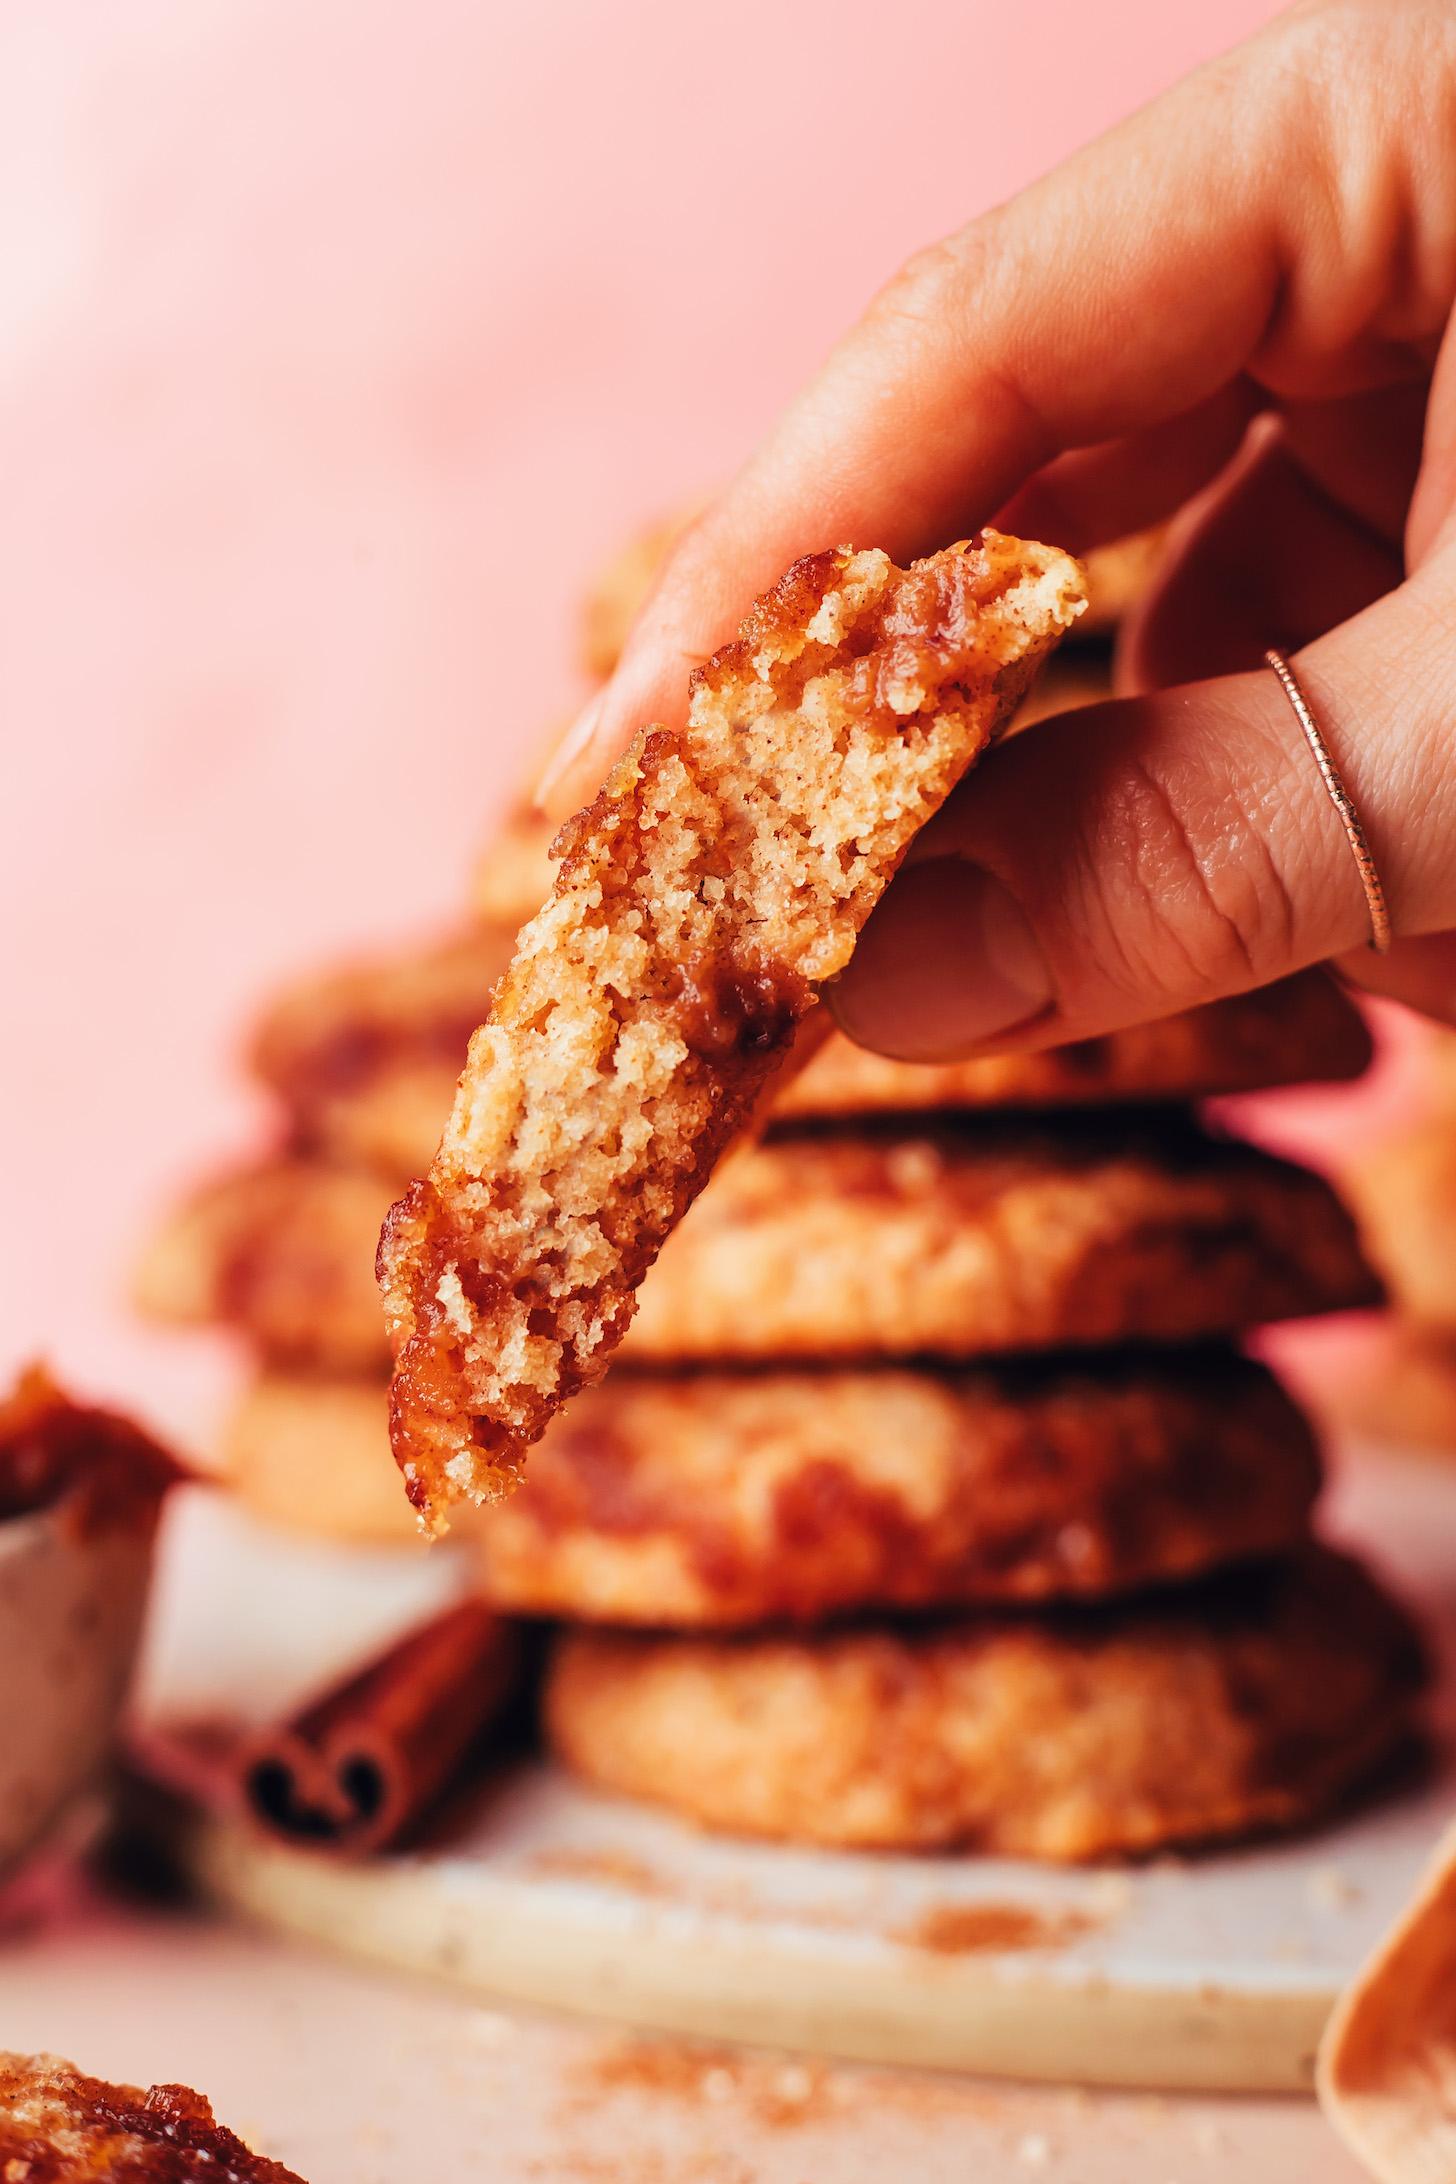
(724, 1500)
(57, 2126)
(722, 874)
(1247, 1703)
(516, 872)
(967, 1235)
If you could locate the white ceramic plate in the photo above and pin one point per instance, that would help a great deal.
(1215, 1972)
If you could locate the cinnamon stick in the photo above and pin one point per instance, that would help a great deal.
(359, 1767)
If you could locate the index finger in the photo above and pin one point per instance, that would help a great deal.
(1225, 229)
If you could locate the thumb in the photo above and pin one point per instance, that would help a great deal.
(1132, 859)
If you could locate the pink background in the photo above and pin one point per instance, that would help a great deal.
(338, 343)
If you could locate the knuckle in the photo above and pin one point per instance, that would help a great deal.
(1193, 911)
(931, 287)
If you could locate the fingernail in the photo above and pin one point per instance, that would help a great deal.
(946, 963)
(569, 750)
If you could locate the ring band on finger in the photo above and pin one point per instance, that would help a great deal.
(1342, 800)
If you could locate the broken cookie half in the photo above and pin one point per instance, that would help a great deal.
(720, 877)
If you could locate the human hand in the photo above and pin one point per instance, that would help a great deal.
(1242, 295)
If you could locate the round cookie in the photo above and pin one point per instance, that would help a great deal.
(1302, 1028)
(284, 1252)
(961, 1239)
(1248, 1703)
(722, 1500)
(1404, 1191)
(975, 1236)
(313, 1455)
(365, 1057)
(1392, 1381)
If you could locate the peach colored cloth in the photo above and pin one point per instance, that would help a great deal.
(337, 345)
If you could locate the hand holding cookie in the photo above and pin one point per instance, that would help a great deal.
(1235, 305)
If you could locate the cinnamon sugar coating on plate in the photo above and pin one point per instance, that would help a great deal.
(723, 1500)
(57, 2126)
(722, 874)
(1246, 1703)
(971, 1235)
(1301, 1029)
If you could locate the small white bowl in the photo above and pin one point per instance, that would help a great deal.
(73, 1591)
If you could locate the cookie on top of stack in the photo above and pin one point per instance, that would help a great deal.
(930, 1502)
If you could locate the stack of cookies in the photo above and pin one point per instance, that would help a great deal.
(930, 1501)
(362, 1063)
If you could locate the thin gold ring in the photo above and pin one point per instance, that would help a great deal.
(1342, 800)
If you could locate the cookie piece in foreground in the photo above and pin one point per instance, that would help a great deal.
(723, 1500)
(970, 1235)
(1300, 1030)
(514, 876)
(1247, 1703)
(57, 2126)
(723, 873)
